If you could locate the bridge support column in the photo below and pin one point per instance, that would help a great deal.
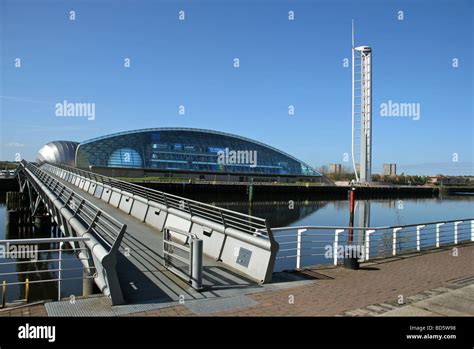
(196, 263)
(87, 283)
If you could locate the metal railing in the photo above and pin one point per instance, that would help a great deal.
(20, 254)
(104, 226)
(240, 221)
(76, 216)
(9, 173)
(310, 245)
(159, 210)
(184, 258)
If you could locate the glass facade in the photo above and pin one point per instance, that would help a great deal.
(171, 149)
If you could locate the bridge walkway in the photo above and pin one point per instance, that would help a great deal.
(140, 265)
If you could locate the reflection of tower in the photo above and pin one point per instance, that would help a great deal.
(361, 111)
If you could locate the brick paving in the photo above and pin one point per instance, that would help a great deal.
(340, 290)
(379, 282)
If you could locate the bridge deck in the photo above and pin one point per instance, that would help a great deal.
(372, 290)
(142, 275)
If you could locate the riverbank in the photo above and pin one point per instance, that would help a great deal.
(264, 190)
(282, 190)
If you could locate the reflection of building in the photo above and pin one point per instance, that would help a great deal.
(191, 153)
(390, 169)
(277, 213)
(335, 168)
(390, 203)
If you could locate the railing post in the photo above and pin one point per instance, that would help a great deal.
(59, 269)
(336, 242)
(472, 230)
(438, 231)
(456, 231)
(27, 290)
(81, 203)
(418, 233)
(196, 263)
(4, 293)
(298, 248)
(367, 243)
(394, 248)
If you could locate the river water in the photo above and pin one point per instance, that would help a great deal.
(383, 212)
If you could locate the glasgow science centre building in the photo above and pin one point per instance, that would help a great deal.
(181, 152)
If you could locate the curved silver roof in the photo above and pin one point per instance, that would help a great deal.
(62, 152)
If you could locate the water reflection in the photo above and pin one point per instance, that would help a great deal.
(277, 213)
(368, 213)
(18, 224)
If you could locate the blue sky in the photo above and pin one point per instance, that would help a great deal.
(282, 63)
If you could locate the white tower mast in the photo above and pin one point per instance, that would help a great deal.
(361, 111)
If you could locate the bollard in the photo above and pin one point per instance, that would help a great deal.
(196, 263)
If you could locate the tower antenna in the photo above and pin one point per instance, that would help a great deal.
(361, 111)
(353, 107)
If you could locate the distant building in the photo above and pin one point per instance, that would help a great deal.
(335, 168)
(182, 152)
(449, 180)
(390, 169)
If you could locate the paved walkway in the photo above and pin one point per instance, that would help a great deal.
(453, 303)
(340, 290)
(376, 288)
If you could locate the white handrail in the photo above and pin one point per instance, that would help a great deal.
(313, 243)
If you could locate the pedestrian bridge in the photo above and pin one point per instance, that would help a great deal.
(142, 245)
